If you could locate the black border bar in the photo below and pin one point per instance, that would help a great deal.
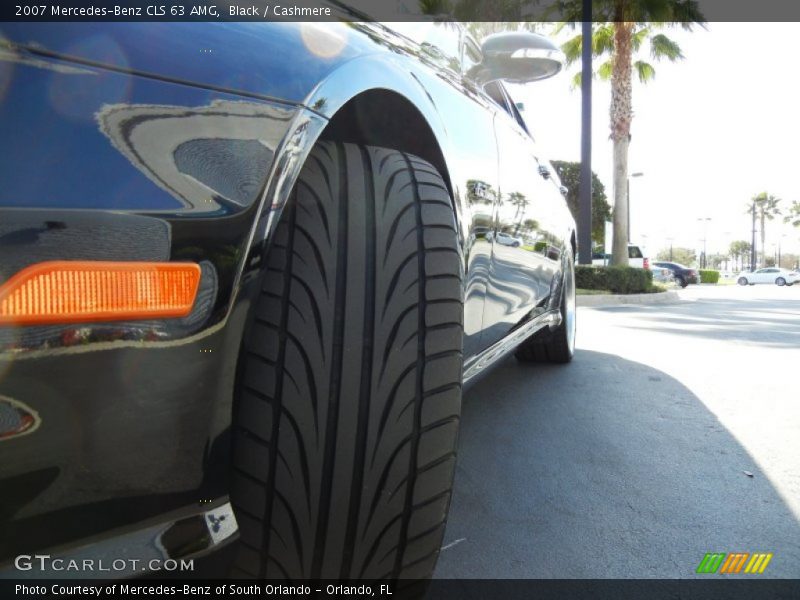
(711, 588)
(385, 10)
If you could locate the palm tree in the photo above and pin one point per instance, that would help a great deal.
(621, 29)
(520, 201)
(766, 210)
(794, 214)
(739, 250)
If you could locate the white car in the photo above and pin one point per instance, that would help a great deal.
(769, 275)
(508, 240)
(636, 258)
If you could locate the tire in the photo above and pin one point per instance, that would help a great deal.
(557, 346)
(780, 282)
(682, 282)
(742, 281)
(349, 397)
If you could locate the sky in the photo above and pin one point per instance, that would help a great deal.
(709, 132)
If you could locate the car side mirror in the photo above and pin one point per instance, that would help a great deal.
(517, 57)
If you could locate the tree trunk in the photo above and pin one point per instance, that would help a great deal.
(621, 116)
(619, 242)
(763, 240)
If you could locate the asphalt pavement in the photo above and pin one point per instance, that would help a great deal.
(674, 432)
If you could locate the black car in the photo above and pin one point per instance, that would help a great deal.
(683, 275)
(246, 272)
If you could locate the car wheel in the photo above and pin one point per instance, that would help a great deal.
(742, 281)
(559, 345)
(780, 282)
(682, 282)
(349, 394)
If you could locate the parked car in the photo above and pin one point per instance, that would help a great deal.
(274, 279)
(683, 275)
(662, 275)
(774, 275)
(508, 240)
(636, 258)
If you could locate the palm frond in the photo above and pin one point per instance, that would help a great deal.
(603, 39)
(604, 71)
(663, 47)
(602, 43)
(644, 70)
(794, 214)
(434, 7)
(687, 13)
(568, 11)
(639, 37)
(559, 27)
(572, 49)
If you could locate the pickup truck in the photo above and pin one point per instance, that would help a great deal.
(636, 258)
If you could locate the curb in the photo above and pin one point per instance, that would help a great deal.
(622, 299)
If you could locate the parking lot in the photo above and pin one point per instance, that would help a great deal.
(675, 432)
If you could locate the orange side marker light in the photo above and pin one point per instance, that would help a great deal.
(84, 291)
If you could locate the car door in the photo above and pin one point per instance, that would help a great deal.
(762, 276)
(468, 117)
(521, 275)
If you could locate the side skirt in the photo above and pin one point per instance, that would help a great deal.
(480, 363)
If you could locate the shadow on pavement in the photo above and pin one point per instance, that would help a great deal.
(568, 472)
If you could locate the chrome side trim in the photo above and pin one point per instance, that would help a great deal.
(498, 350)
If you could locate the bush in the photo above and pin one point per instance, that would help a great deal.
(619, 280)
(590, 278)
(629, 280)
(709, 276)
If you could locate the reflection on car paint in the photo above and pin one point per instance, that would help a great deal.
(16, 419)
(205, 156)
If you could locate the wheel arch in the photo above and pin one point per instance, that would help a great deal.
(389, 90)
(373, 83)
(386, 118)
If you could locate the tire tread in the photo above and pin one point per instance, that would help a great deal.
(355, 352)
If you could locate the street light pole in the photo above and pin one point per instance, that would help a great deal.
(753, 241)
(585, 186)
